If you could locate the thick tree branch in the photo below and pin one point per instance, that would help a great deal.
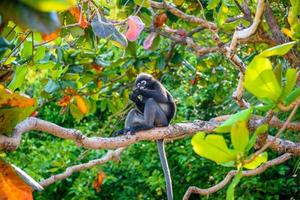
(170, 133)
(232, 173)
(110, 155)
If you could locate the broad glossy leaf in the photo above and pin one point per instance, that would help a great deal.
(278, 50)
(260, 79)
(27, 17)
(239, 136)
(104, 29)
(212, 147)
(291, 78)
(19, 77)
(50, 5)
(240, 116)
(232, 186)
(292, 96)
(262, 158)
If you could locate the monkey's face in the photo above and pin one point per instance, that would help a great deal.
(142, 84)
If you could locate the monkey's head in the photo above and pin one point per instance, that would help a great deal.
(144, 80)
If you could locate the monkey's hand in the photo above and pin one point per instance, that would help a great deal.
(134, 96)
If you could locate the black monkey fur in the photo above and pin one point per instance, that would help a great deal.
(154, 107)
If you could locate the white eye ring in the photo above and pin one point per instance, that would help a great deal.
(144, 82)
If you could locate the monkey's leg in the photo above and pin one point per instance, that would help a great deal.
(154, 115)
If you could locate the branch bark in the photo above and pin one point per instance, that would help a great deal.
(110, 155)
(231, 174)
(169, 133)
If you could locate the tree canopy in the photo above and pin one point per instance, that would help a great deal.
(67, 69)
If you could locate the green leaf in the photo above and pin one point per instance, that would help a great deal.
(18, 79)
(51, 86)
(293, 13)
(27, 17)
(10, 117)
(239, 136)
(26, 50)
(278, 50)
(292, 96)
(259, 130)
(260, 79)
(50, 5)
(262, 158)
(233, 184)
(143, 3)
(75, 112)
(240, 116)
(291, 79)
(39, 54)
(222, 14)
(278, 73)
(212, 4)
(212, 147)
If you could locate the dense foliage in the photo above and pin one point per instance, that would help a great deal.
(80, 77)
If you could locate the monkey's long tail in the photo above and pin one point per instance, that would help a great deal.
(165, 166)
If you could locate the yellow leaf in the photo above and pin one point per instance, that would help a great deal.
(82, 105)
(287, 32)
(262, 158)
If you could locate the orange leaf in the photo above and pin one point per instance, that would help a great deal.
(99, 84)
(51, 36)
(97, 68)
(97, 184)
(81, 104)
(287, 32)
(65, 101)
(77, 14)
(160, 20)
(11, 99)
(12, 187)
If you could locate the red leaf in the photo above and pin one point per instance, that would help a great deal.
(160, 20)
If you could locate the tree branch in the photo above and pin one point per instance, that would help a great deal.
(246, 33)
(110, 155)
(182, 15)
(170, 133)
(232, 173)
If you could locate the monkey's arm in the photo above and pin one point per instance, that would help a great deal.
(155, 94)
(134, 97)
